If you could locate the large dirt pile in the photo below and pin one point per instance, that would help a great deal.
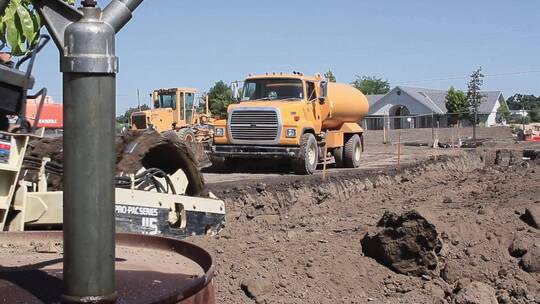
(134, 150)
(303, 237)
(406, 243)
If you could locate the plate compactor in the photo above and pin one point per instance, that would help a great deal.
(159, 187)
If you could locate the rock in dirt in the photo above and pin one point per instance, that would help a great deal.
(531, 260)
(476, 293)
(532, 216)
(406, 243)
(255, 289)
(519, 247)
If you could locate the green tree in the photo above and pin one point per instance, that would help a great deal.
(371, 85)
(529, 103)
(124, 118)
(474, 95)
(20, 26)
(456, 102)
(330, 76)
(219, 97)
(503, 113)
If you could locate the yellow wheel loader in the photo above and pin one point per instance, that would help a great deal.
(178, 110)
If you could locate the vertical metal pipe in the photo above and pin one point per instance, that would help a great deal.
(89, 224)
(86, 40)
(89, 68)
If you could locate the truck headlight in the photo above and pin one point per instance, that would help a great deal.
(220, 132)
(291, 133)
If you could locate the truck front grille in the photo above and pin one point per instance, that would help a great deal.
(254, 125)
(139, 121)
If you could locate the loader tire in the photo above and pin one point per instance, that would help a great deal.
(308, 157)
(338, 157)
(186, 134)
(352, 152)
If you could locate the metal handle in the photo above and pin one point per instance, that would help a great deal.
(43, 40)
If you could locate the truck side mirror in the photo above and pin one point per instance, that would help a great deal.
(235, 91)
(323, 92)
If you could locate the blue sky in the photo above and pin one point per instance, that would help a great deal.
(426, 43)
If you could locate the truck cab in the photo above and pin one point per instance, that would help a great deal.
(292, 116)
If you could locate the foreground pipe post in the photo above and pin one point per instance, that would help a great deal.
(89, 108)
(86, 40)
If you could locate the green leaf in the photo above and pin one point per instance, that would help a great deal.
(10, 10)
(37, 27)
(27, 24)
(20, 26)
(12, 33)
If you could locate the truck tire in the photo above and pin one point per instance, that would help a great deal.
(338, 156)
(308, 157)
(352, 152)
(186, 134)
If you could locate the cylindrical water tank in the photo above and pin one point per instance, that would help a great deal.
(344, 103)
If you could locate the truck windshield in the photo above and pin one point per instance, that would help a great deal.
(167, 101)
(272, 89)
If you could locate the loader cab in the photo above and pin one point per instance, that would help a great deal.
(173, 108)
(180, 100)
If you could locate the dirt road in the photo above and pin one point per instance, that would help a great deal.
(376, 155)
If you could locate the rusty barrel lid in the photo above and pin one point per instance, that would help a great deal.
(149, 269)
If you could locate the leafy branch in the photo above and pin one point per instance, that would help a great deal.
(20, 26)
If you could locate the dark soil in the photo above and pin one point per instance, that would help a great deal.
(303, 236)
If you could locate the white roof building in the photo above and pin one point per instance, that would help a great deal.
(413, 101)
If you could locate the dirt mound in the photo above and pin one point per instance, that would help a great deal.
(35, 152)
(304, 235)
(406, 243)
(134, 150)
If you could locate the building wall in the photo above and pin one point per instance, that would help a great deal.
(393, 99)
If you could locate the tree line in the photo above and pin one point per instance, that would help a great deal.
(463, 104)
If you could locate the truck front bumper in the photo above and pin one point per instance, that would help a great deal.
(240, 151)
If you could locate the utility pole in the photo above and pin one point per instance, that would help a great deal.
(138, 100)
(523, 119)
(86, 41)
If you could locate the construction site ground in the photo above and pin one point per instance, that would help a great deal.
(414, 148)
(297, 239)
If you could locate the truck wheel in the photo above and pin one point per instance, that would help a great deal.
(352, 151)
(308, 157)
(338, 156)
(186, 134)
